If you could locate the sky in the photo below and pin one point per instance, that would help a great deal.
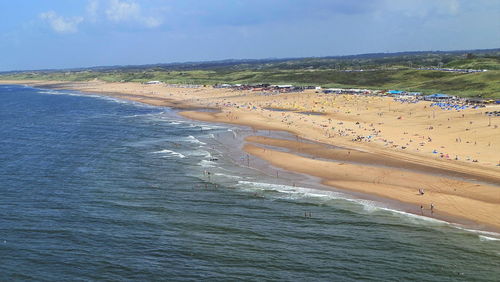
(44, 34)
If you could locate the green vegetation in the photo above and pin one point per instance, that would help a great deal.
(380, 71)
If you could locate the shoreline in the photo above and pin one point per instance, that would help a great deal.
(366, 170)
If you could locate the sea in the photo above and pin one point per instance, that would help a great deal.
(97, 188)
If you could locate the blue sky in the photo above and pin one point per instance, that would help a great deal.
(36, 34)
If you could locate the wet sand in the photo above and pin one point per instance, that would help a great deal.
(393, 159)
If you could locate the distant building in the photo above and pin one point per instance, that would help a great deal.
(438, 96)
(153, 82)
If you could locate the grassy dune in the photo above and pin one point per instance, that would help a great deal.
(389, 73)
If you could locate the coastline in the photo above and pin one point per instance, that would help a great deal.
(365, 169)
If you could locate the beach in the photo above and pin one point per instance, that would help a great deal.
(364, 144)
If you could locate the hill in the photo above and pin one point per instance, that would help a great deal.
(412, 71)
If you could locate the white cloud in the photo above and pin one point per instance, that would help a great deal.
(129, 11)
(117, 11)
(120, 11)
(92, 10)
(61, 24)
(152, 21)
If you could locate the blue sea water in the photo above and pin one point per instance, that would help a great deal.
(94, 188)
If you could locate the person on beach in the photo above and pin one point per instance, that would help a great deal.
(422, 209)
(432, 208)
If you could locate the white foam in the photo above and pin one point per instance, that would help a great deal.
(486, 238)
(228, 176)
(170, 152)
(120, 101)
(103, 97)
(369, 206)
(205, 163)
(49, 92)
(193, 139)
(415, 218)
(77, 94)
(210, 127)
(199, 153)
(146, 115)
(133, 116)
(294, 190)
(482, 235)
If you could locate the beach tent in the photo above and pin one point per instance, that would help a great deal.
(395, 92)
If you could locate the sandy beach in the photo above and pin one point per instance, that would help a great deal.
(366, 144)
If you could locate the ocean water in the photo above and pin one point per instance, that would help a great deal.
(101, 189)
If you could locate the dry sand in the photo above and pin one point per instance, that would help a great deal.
(395, 157)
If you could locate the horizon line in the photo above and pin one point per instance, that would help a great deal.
(243, 59)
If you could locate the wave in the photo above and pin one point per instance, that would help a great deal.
(170, 152)
(211, 127)
(121, 101)
(486, 238)
(199, 153)
(205, 163)
(190, 153)
(92, 95)
(228, 175)
(294, 193)
(415, 218)
(59, 92)
(193, 139)
(154, 114)
(482, 235)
